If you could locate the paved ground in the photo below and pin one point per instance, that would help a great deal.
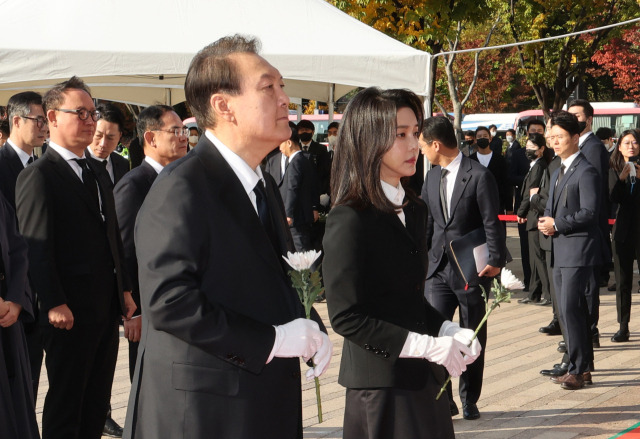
(517, 402)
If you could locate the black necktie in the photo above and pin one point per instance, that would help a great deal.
(560, 175)
(30, 160)
(286, 163)
(263, 212)
(104, 163)
(89, 180)
(443, 195)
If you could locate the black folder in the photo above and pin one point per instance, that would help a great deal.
(462, 250)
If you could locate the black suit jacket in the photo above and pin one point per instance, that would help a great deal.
(274, 166)
(374, 270)
(297, 191)
(319, 156)
(10, 167)
(573, 204)
(129, 194)
(539, 200)
(73, 253)
(498, 167)
(528, 210)
(120, 166)
(474, 204)
(211, 287)
(627, 225)
(517, 169)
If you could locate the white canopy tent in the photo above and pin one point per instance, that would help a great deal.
(138, 51)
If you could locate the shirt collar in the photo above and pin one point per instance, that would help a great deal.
(247, 176)
(583, 138)
(155, 165)
(394, 194)
(64, 152)
(569, 160)
(23, 156)
(108, 159)
(455, 164)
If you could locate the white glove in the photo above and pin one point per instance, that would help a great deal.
(463, 335)
(446, 351)
(325, 200)
(298, 338)
(321, 359)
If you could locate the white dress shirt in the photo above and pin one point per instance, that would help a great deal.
(450, 178)
(396, 196)
(23, 156)
(155, 165)
(247, 176)
(583, 138)
(109, 164)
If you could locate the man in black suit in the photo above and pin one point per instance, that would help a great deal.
(596, 153)
(161, 147)
(517, 169)
(460, 200)
(105, 140)
(318, 154)
(28, 131)
(496, 164)
(298, 192)
(220, 317)
(66, 213)
(571, 218)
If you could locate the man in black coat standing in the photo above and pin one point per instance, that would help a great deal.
(102, 149)
(471, 202)
(220, 317)
(28, 131)
(66, 214)
(596, 153)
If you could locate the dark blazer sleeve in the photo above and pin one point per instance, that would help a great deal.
(128, 198)
(35, 216)
(344, 272)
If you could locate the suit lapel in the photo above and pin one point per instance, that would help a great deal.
(15, 164)
(462, 179)
(67, 174)
(568, 175)
(225, 182)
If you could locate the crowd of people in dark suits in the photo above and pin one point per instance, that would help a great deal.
(184, 250)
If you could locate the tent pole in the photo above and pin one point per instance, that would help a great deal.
(167, 96)
(332, 90)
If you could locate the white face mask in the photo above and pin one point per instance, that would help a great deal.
(493, 133)
(332, 141)
(610, 147)
(509, 139)
(193, 139)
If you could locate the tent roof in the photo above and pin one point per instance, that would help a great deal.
(139, 51)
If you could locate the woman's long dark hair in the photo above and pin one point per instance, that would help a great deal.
(367, 132)
(616, 162)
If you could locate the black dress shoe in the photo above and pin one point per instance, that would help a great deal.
(552, 328)
(556, 371)
(562, 346)
(544, 302)
(321, 298)
(470, 411)
(525, 300)
(596, 340)
(620, 336)
(611, 287)
(111, 428)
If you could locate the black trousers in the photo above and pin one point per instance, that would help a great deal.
(35, 346)
(80, 366)
(624, 254)
(525, 254)
(539, 284)
(571, 291)
(445, 293)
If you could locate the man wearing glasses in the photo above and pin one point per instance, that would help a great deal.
(67, 215)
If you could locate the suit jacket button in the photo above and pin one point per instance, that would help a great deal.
(367, 347)
(386, 355)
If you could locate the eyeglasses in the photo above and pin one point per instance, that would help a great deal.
(40, 121)
(82, 113)
(184, 131)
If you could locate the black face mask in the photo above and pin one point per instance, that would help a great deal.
(469, 142)
(582, 126)
(305, 137)
(531, 154)
(482, 143)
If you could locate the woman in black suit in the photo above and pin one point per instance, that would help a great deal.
(374, 271)
(626, 231)
(529, 212)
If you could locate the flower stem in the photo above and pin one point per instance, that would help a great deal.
(318, 400)
(475, 334)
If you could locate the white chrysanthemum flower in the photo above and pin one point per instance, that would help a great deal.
(302, 260)
(510, 281)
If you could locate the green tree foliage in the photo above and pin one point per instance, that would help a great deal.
(554, 68)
